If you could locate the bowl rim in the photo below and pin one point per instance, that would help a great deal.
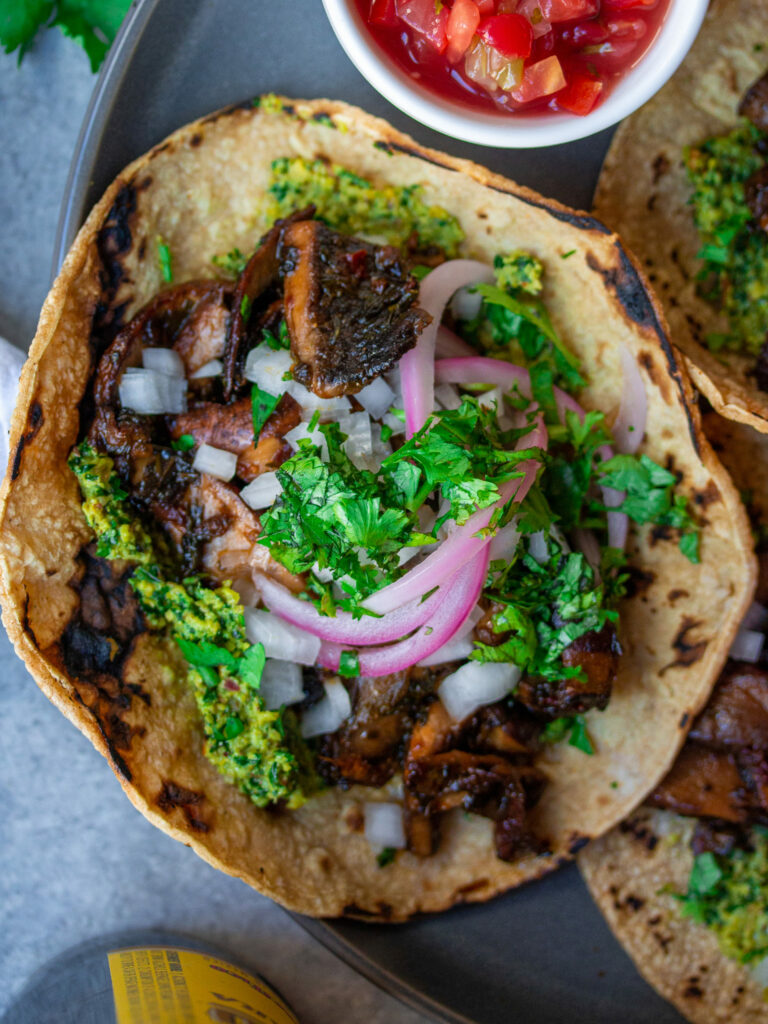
(674, 39)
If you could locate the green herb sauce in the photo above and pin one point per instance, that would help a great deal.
(258, 750)
(728, 894)
(353, 206)
(734, 276)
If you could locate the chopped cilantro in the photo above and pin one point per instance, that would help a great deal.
(245, 308)
(567, 255)
(727, 894)
(349, 664)
(386, 856)
(164, 260)
(281, 340)
(650, 498)
(184, 443)
(264, 404)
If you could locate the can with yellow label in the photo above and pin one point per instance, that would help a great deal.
(147, 978)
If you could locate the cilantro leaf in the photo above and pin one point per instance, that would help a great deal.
(251, 665)
(349, 664)
(386, 856)
(91, 23)
(263, 404)
(184, 443)
(164, 260)
(207, 655)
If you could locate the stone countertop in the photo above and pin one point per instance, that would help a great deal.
(76, 860)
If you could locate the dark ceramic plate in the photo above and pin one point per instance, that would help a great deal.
(541, 955)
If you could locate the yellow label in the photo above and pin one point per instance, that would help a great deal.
(161, 985)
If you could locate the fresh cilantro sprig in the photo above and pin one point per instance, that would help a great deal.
(572, 726)
(91, 23)
(263, 405)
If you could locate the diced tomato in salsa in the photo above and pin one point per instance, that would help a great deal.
(580, 94)
(510, 34)
(520, 56)
(462, 25)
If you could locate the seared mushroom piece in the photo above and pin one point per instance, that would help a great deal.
(597, 654)
(737, 713)
(350, 308)
(754, 103)
(705, 783)
(756, 196)
(230, 427)
(255, 304)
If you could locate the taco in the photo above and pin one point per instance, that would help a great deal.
(683, 881)
(355, 623)
(684, 184)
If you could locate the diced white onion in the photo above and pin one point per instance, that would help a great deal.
(505, 543)
(384, 825)
(395, 425)
(381, 449)
(152, 393)
(457, 648)
(359, 443)
(261, 492)
(406, 554)
(756, 617)
(324, 575)
(476, 684)
(281, 683)
(748, 645)
(329, 408)
(329, 712)
(447, 396)
(266, 367)
(301, 431)
(213, 368)
(466, 304)
(164, 360)
(376, 397)
(759, 972)
(215, 462)
(460, 645)
(538, 547)
(281, 640)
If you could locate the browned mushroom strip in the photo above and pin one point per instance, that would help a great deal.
(350, 308)
(754, 103)
(706, 783)
(737, 712)
(257, 279)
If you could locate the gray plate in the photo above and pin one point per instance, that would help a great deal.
(543, 954)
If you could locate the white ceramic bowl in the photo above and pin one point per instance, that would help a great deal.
(665, 55)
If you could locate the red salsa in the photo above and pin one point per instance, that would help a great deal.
(516, 55)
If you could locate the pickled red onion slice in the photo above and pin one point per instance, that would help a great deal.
(417, 365)
(465, 588)
(463, 544)
(343, 628)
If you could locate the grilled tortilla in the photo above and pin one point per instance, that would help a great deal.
(634, 871)
(202, 192)
(643, 193)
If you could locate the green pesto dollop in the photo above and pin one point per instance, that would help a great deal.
(734, 276)
(258, 750)
(353, 206)
(119, 534)
(728, 894)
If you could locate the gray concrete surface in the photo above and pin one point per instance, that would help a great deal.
(76, 860)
